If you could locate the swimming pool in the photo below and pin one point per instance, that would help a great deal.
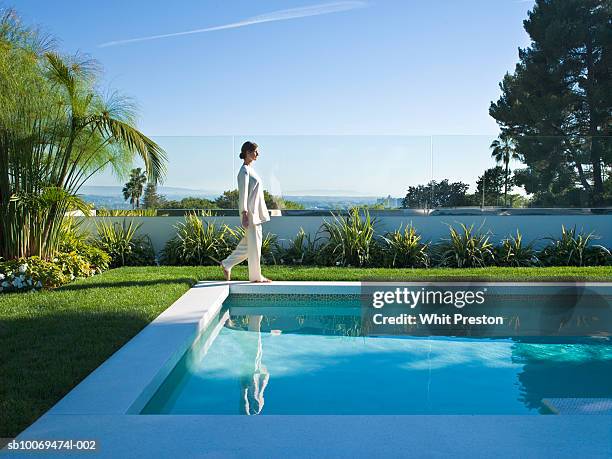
(291, 354)
(157, 372)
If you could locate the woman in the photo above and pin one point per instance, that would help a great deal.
(253, 212)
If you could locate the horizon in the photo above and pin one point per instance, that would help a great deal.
(90, 190)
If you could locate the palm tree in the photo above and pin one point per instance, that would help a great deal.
(134, 188)
(56, 131)
(503, 151)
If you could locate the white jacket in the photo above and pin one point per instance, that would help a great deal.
(251, 195)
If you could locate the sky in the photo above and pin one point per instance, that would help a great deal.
(343, 97)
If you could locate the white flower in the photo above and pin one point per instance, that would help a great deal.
(55, 260)
(1, 277)
(71, 277)
(23, 268)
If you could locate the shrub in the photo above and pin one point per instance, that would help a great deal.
(71, 236)
(302, 249)
(77, 259)
(597, 255)
(573, 249)
(102, 212)
(271, 251)
(97, 258)
(26, 274)
(349, 240)
(73, 265)
(465, 249)
(123, 245)
(404, 249)
(512, 252)
(72, 240)
(198, 243)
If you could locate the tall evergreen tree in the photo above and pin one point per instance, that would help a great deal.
(437, 194)
(494, 182)
(557, 105)
(151, 199)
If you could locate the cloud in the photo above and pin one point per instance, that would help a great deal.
(281, 15)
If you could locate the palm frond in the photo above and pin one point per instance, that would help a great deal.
(153, 156)
(60, 73)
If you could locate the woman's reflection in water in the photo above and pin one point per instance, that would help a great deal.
(255, 374)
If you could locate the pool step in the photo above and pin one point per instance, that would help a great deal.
(579, 405)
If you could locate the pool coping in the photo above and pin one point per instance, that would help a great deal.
(119, 388)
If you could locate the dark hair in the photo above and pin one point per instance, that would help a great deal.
(247, 147)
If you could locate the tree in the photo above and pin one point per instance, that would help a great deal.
(56, 131)
(151, 199)
(190, 203)
(504, 151)
(287, 205)
(134, 188)
(436, 194)
(229, 200)
(494, 182)
(557, 105)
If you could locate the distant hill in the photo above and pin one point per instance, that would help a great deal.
(168, 191)
(326, 193)
(331, 202)
(111, 197)
(108, 202)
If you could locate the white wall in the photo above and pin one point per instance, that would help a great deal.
(532, 227)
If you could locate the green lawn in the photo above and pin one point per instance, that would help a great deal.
(594, 273)
(51, 340)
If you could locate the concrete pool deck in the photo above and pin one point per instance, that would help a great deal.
(105, 405)
(221, 436)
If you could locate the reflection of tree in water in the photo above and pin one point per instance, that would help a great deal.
(342, 325)
(580, 368)
(333, 325)
(558, 367)
(575, 311)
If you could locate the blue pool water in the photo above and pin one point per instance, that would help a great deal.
(307, 357)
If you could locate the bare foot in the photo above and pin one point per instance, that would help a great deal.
(263, 280)
(227, 274)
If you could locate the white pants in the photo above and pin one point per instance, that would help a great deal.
(249, 248)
